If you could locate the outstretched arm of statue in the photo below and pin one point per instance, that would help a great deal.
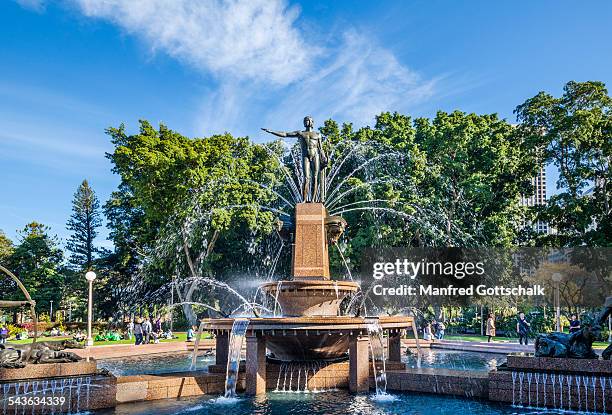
(282, 133)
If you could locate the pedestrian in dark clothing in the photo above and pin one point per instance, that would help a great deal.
(574, 324)
(522, 328)
(138, 332)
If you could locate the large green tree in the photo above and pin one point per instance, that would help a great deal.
(477, 166)
(183, 202)
(575, 134)
(37, 262)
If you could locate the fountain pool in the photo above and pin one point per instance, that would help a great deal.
(153, 364)
(172, 362)
(325, 403)
(455, 359)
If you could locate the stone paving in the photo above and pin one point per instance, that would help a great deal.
(126, 350)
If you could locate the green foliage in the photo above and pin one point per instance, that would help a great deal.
(574, 132)
(176, 193)
(83, 222)
(476, 169)
(454, 180)
(6, 247)
(37, 262)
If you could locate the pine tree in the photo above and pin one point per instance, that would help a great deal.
(83, 222)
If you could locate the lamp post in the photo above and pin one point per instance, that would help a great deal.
(90, 277)
(556, 278)
(51, 311)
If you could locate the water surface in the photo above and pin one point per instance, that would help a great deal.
(324, 403)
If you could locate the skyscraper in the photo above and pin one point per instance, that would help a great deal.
(537, 198)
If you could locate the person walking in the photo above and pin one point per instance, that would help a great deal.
(490, 327)
(522, 328)
(130, 329)
(158, 326)
(147, 328)
(138, 332)
(4, 332)
(190, 333)
(574, 324)
(440, 331)
(427, 332)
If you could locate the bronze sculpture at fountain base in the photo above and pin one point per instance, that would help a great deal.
(577, 345)
(18, 355)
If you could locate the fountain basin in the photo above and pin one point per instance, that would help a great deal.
(310, 297)
(309, 338)
(562, 383)
(49, 370)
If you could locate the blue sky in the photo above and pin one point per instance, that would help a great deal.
(71, 68)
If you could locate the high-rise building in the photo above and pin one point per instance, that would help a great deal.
(537, 198)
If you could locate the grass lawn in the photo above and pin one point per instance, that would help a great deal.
(474, 338)
(181, 337)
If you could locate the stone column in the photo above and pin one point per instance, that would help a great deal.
(359, 364)
(310, 254)
(221, 348)
(255, 365)
(395, 347)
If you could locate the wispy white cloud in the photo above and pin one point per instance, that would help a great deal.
(254, 39)
(266, 68)
(359, 80)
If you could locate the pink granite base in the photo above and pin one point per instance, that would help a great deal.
(512, 384)
(51, 370)
(502, 388)
(526, 362)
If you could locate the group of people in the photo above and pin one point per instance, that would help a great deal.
(145, 332)
(434, 330)
(522, 328)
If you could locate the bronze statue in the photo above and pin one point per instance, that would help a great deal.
(335, 226)
(18, 355)
(605, 314)
(314, 160)
(578, 345)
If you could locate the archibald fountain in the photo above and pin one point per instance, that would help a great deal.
(311, 332)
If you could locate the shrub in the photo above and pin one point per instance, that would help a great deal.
(14, 330)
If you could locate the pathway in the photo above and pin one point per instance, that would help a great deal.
(493, 347)
(126, 350)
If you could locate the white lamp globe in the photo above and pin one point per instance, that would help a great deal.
(90, 276)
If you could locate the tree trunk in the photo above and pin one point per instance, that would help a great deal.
(190, 315)
(188, 308)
